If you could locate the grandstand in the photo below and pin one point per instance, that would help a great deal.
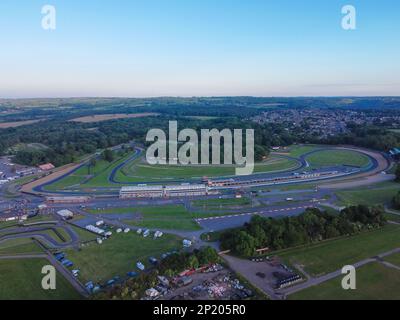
(186, 190)
(142, 191)
(145, 191)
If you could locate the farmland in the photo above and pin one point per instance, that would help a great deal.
(6, 125)
(107, 117)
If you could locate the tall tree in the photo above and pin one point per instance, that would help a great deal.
(92, 164)
(398, 173)
(108, 155)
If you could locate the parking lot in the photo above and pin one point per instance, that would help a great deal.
(214, 285)
(265, 275)
(10, 171)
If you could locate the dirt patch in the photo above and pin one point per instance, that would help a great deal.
(6, 125)
(106, 117)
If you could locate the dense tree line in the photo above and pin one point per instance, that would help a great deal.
(397, 173)
(65, 141)
(311, 226)
(135, 288)
(372, 137)
(396, 201)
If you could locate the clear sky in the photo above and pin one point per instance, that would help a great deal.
(138, 48)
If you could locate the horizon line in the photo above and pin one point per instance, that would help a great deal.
(197, 96)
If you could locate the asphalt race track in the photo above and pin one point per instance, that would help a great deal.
(378, 163)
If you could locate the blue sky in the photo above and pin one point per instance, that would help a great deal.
(143, 48)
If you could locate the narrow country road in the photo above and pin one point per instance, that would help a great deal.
(316, 281)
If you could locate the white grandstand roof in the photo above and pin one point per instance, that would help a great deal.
(185, 187)
(141, 188)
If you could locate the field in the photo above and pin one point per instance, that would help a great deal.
(7, 224)
(85, 177)
(377, 195)
(139, 171)
(374, 282)
(337, 157)
(332, 255)
(106, 117)
(201, 118)
(299, 150)
(219, 203)
(392, 217)
(84, 235)
(169, 217)
(59, 173)
(163, 217)
(21, 279)
(394, 259)
(6, 125)
(119, 255)
(56, 233)
(18, 246)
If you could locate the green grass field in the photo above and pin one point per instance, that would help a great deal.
(58, 234)
(299, 150)
(39, 218)
(138, 171)
(18, 246)
(119, 254)
(85, 178)
(8, 224)
(394, 259)
(332, 255)
(217, 203)
(84, 235)
(376, 195)
(162, 217)
(21, 280)
(337, 157)
(374, 282)
(392, 217)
